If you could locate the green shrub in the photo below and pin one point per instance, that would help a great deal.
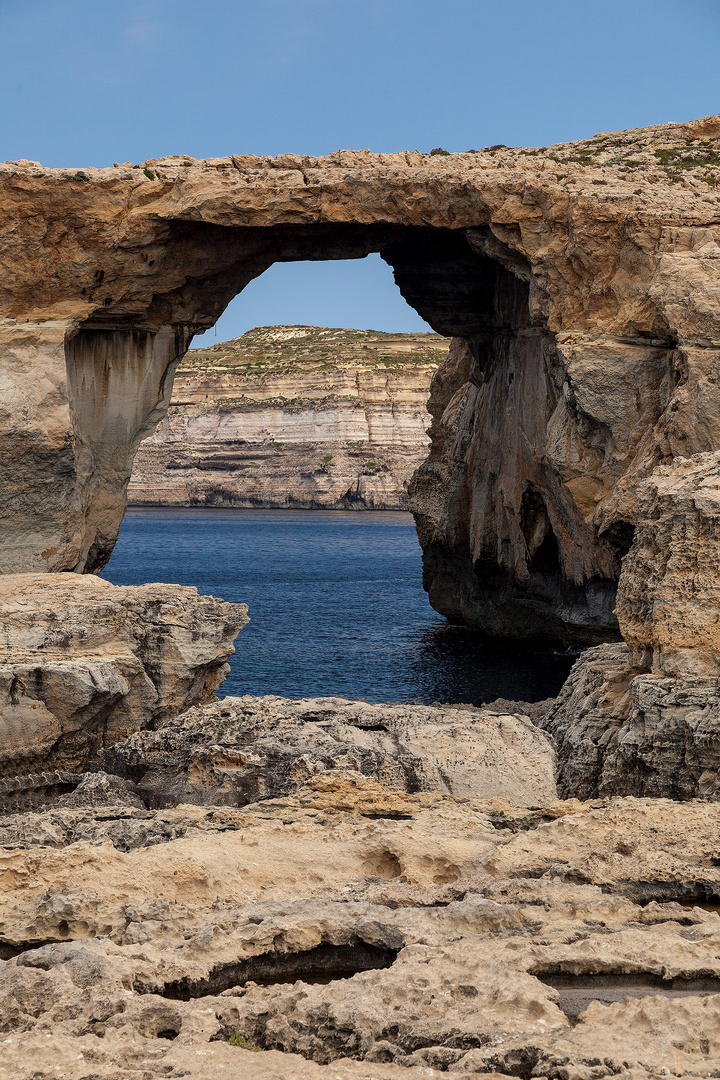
(237, 1039)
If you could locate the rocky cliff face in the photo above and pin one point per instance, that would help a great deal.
(644, 718)
(583, 278)
(293, 416)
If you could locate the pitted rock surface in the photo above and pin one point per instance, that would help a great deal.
(135, 963)
(644, 718)
(583, 280)
(621, 730)
(243, 749)
(85, 662)
(669, 592)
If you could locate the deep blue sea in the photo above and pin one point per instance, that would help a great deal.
(336, 605)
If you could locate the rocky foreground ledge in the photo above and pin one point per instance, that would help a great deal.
(346, 930)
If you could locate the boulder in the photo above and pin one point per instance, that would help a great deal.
(84, 663)
(239, 750)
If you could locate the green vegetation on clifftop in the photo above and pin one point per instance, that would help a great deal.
(281, 350)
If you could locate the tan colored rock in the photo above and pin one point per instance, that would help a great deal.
(293, 416)
(669, 592)
(23, 1057)
(621, 730)
(239, 750)
(583, 277)
(83, 663)
(139, 949)
(644, 718)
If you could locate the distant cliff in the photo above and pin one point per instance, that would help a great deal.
(294, 416)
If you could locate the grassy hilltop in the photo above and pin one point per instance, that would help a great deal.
(282, 350)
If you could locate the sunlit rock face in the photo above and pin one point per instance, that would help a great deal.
(642, 718)
(582, 278)
(84, 663)
(294, 416)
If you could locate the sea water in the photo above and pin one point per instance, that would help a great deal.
(336, 605)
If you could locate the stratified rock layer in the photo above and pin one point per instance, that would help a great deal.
(294, 416)
(243, 749)
(348, 931)
(84, 663)
(584, 279)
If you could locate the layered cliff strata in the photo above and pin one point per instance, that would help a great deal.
(293, 416)
(644, 717)
(349, 931)
(83, 663)
(582, 277)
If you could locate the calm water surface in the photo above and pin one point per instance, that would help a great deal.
(336, 603)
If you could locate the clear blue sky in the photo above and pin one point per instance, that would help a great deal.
(87, 82)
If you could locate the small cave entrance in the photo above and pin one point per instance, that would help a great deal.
(542, 545)
(688, 894)
(323, 964)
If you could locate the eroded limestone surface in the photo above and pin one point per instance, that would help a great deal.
(644, 718)
(583, 279)
(239, 750)
(363, 930)
(622, 730)
(669, 594)
(83, 663)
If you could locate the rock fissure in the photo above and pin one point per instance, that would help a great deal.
(318, 966)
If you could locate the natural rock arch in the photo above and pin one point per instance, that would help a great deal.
(588, 319)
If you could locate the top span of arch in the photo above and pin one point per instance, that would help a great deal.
(598, 227)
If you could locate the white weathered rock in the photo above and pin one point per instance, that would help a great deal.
(293, 416)
(84, 663)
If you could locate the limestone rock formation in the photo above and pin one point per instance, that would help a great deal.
(583, 278)
(669, 595)
(293, 416)
(83, 663)
(644, 718)
(239, 750)
(620, 730)
(347, 931)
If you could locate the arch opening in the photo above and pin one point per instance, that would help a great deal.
(121, 362)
